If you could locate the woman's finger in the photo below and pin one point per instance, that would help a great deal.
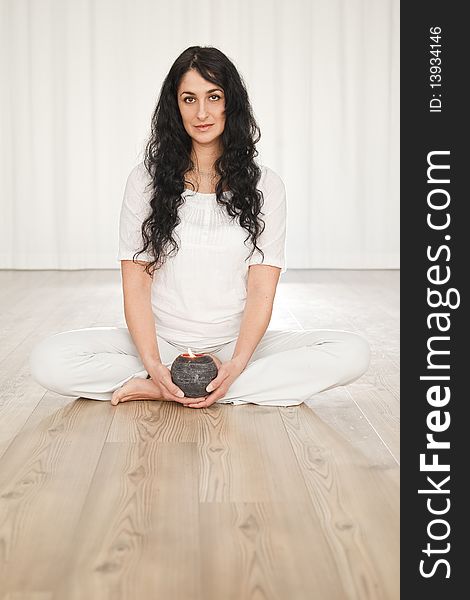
(217, 381)
(204, 404)
(219, 393)
(187, 400)
(175, 392)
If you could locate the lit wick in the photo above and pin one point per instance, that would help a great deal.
(190, 354)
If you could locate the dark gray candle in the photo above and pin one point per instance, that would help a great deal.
(192, 373)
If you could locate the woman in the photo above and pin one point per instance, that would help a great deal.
(189, 277)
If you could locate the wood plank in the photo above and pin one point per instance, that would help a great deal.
(138, 535)
(239, 445)
(28, 596)
(66, 308)
(13, 285)
(265, 550)
(337, 409)
(329, 303)
(357, 505)
(44, 477)
(148, 421)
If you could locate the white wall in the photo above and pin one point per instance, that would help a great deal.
(80, 79)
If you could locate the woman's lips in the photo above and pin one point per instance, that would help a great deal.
(203, 127)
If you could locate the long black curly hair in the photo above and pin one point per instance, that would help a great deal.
(168, 155)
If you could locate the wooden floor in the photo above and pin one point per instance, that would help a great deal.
(150, 500)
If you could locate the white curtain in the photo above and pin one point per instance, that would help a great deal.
(80, 79)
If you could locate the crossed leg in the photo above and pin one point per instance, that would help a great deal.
(286, 368)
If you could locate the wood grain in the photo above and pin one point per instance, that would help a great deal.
(356, 504)
(154, 500)
(45, 476)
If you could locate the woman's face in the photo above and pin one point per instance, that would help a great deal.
(201, 102)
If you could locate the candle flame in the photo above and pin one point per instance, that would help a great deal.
(191, 354)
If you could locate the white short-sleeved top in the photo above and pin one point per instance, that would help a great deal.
(199, 294)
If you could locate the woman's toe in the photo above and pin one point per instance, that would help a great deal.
(116, 397)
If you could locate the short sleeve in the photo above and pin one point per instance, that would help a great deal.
(134, 210)
(274, 213)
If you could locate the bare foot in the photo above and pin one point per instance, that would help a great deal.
(135, 389)
(142, 389)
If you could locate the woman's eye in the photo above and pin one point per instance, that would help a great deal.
(191, 98)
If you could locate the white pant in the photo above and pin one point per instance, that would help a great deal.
(286, 368)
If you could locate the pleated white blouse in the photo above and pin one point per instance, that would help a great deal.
(198, 295)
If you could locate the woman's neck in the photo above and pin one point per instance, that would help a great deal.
(203, 176)
(204, 157)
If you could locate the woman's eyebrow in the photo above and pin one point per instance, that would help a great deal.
(208, 92)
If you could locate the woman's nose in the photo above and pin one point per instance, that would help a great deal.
(202, 112)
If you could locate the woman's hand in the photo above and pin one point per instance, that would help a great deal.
(228, 372)
(159, 387)
(162, 381)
